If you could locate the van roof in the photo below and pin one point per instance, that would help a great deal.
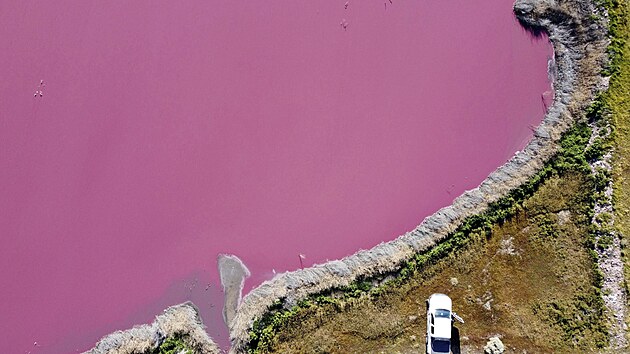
(440, 301)
(442, 328)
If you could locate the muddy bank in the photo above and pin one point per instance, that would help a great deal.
(579, 45)
(180, 321)
(233, 274)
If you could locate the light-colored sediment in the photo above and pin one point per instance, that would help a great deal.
(609, 257)
(233, 274)
(615, 297)
(579, 45)
(180, 320)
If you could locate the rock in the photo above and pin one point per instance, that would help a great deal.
(485, 301)
(487, 305)
(454, 281)
(507, 247)
(413, 318)
(523, 7)
(564, 216)
(494, 346)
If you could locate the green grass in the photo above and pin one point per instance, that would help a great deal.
(172, 345)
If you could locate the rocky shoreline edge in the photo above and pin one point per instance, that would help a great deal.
(579, 44)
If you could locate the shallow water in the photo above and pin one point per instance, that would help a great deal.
(169, 133)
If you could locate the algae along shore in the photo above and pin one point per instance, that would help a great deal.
(533, 258)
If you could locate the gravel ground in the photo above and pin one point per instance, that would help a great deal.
(609, 258)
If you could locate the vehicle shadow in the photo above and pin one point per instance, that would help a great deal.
(455, 343)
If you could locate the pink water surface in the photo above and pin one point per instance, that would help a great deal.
(169, 132)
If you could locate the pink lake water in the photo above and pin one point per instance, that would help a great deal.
(170, 132)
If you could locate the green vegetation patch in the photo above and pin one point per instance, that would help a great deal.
(173, 345)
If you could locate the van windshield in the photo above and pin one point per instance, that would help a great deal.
(443, 313)
(440, 345)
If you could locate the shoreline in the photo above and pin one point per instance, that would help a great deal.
(579, 50)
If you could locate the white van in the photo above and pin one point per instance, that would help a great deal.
(439, 324)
